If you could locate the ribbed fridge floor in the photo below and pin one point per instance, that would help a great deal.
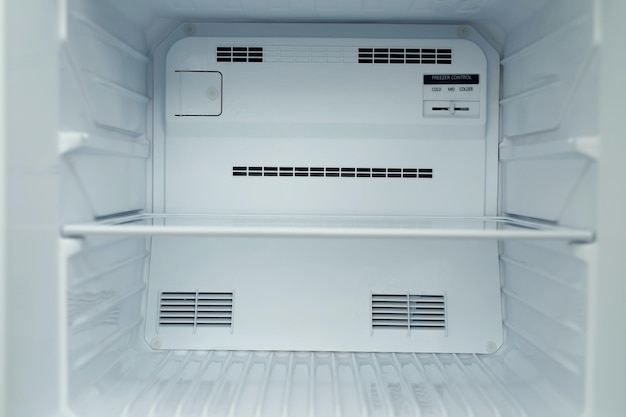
(303, 384)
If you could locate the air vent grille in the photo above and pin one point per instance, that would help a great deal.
(404, 56)
(331, 172)
(408, 311)
(196, 309)
(239, 54)
(325, 54)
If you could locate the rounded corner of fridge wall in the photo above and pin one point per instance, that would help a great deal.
(477, 37)
(176, 41)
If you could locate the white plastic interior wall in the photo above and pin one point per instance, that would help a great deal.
(91, 136)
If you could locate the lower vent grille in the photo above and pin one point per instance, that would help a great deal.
(331, 172)
(196, 309)
(408, 312)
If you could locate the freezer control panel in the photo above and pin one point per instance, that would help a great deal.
(451, 95)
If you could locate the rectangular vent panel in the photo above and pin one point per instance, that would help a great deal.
(196, 309)
(331, 172)
(239, 54)
(327, 54)
(408, 312)
(404, 56)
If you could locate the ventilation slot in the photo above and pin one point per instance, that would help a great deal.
(331, 172)
(404, 56)
(239, 54)
(196, 309)
(408, 312)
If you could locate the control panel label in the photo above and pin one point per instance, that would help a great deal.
(451, 87)
(462, 79)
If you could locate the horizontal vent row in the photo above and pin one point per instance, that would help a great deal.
(404, 56)
(239, 54)
(408, 311)
(330, 172)
(321, 54)
(193, 309)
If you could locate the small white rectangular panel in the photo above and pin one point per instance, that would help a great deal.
(200, 93)
(324, 294)
(453, 96)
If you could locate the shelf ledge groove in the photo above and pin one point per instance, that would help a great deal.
(80, 142)
(586, 146)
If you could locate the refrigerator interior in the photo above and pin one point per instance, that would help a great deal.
(104, 156)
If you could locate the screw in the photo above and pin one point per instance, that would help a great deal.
(189, 29)
(463, 31)
(155, 343)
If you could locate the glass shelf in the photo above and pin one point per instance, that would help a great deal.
(326, 226)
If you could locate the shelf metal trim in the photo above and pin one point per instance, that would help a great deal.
(189, 225)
